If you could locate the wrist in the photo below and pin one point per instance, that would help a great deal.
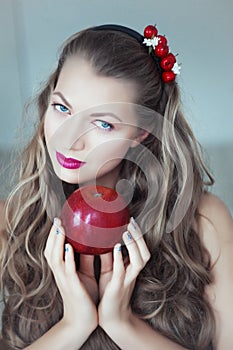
(61, 336)
(136, 333)
(117, 327)
(77, 333)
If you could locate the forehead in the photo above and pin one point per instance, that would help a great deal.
(84, 88)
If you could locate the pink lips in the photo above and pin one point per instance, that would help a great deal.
(69, 163)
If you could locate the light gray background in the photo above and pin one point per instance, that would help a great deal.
(201, 32)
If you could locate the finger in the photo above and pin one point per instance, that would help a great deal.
(51, 244)
(59, 240)
(136, 261)
(106, 262)
(118, 263)
(86, 265)
(137, 235)
(50, 240)
(68, 282)
(70, 265)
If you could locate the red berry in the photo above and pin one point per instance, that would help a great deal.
(168, 76)
(161, 50)
(172, 57)
(167, 63)
(150, 32)
(162, 40)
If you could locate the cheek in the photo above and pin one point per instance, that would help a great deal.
(47, 131)
(50, 127)
(110, 150)
(122, 146)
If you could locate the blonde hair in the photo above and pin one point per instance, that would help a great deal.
(169, 293)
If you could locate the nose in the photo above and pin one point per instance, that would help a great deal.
(77, 142)
(74, 134)
(78, 145)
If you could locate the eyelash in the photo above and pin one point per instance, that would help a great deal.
(110, 126)
(55, 105)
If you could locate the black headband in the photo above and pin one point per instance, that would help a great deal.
(165, 60)
(122, 29)
(131, 32)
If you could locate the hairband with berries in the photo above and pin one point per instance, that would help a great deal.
(158, 46)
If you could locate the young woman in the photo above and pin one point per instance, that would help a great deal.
(109, 113)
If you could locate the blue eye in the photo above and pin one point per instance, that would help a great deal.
(103, 125)
(60, 108)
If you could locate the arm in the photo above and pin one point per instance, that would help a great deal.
(216, 228)
(115, 314)
(59, 337)
(138, 335)
(80, 315)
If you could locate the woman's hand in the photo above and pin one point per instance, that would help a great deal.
(116, 286)
(80, 314)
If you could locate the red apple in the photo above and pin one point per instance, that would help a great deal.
(150, 31)
(162, 39)
(172, 57)
(168, 76)
(94, 218)
(161, 50)
(167, 62)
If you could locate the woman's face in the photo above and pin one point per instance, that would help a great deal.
(89, 125)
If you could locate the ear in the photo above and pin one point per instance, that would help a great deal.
(141, 136)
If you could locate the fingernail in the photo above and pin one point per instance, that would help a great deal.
(66, 248)
(133, 222)
(128, 235)
(118, 247)
(56, 222)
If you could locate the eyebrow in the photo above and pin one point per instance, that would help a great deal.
(102, 114)
(63, 99)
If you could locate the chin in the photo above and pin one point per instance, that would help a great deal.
(68, 178)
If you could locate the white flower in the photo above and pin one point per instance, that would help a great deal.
(151, 42)
(176, 68)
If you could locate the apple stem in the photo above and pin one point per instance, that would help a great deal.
(96, 195)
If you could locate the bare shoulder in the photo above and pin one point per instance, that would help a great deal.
(214, 209)
(216, 230)
(215, 224)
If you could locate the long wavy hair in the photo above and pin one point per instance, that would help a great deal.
(170, 291)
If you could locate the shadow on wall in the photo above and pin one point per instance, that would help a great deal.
(219, 160)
